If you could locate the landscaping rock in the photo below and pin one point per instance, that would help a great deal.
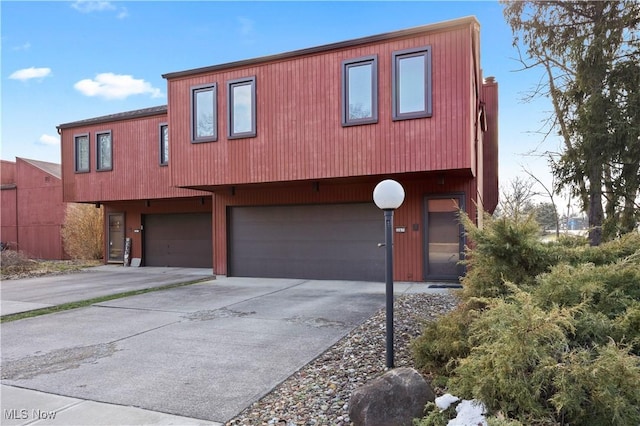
(353, 361)
(393, 399)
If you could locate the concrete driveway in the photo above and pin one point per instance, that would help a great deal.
(41, 292)
(204, 351)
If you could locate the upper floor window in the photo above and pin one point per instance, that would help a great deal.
(204, 125)
(81, 150)
(242, 108)
(411, 76)
(104, 151)
(164, 144)
(360, 91)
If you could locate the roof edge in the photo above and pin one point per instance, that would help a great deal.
(138, 113)
(53, 169)
(327, 47)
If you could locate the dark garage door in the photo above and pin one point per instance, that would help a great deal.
(178, 240)
(311, 241)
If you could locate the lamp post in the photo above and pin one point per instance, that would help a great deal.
(388, 196)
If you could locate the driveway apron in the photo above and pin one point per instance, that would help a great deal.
(204, 351)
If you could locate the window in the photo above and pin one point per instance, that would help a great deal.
(360, 91)
(104, 151)
(204, 124)
(411, 75)
(81, 148)
(242, 108)
(164, 144)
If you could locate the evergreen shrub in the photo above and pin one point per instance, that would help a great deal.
(544, 334)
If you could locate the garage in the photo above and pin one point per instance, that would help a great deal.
(329, 241)
(178, 240)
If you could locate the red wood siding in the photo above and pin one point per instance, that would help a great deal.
(299, 131)
(136, 173)
(9, 216)
(409, 252)
(8, 203)
(490, 154)
(7, 172)
(34, 213)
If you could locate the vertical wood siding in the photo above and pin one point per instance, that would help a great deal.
(490, 154)
(299, 131)
(136, 174)
(8, 216)
(409, 251)
(40, 212)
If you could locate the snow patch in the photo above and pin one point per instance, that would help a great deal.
(443, 402)
(470, 413)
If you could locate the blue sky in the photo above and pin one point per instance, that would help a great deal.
(64, 61)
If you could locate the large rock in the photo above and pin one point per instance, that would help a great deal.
(393, 399)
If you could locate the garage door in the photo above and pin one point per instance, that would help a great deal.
(178, 240)
(312, 241)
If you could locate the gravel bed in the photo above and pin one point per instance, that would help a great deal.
(318, 394)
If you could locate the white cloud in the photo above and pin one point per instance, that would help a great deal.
(116, 86)
(29, 73)
(122, 13)
(86, 6)
(49, 140)
(24, 46)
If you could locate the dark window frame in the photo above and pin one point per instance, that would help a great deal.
(397, 56)
(251, 81)
(98, 157)
(163, 157)
(346, 65)
(76, 152)
(213, 87)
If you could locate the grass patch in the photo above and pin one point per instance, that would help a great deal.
(89, 302)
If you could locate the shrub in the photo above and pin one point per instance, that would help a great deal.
(545, 333)
(15, 262)
(505, 250)
(447, 340)
(598, 387)
(514, 345)
(83, 232)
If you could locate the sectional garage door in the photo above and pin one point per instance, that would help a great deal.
(311, 241)
(178, 240)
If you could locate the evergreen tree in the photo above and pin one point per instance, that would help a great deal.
(590, 53)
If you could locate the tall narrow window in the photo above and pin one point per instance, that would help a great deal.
(104, 151)
(360, 91)
(242, 108)
(411, 75)
(204, 124)
(81, 148)
(164, 144)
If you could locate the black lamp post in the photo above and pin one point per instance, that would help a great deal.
(388, 196)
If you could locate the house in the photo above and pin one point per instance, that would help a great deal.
(32, 208)
(266, 166)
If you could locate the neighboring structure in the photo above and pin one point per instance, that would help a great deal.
(273, 161)
(32, 208)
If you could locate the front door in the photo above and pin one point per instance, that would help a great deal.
(444, 237)
(116, 237)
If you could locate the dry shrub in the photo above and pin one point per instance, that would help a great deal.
(15, 263)
(83, 231)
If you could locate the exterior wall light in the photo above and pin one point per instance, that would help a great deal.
(388, 196)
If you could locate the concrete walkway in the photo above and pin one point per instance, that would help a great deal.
(197, 354)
